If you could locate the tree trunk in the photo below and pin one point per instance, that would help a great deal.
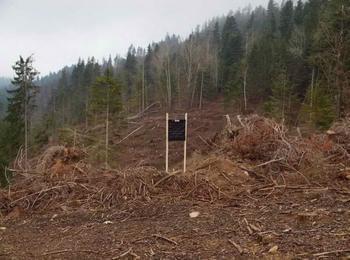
(143, 85)
(25, 122)
(201, 92)
(107, 125)
(178, 83)
(245, 75)
(312, 93)
(194, 87)
(86, 113)
(189, 68)
(245, 88)
(169, 82)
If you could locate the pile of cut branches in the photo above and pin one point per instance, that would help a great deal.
(264, 140)
(339, 134)
(101, 189)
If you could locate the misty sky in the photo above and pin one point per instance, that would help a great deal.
(58, 32)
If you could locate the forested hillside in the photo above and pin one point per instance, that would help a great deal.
(288, 61)
(4, 83)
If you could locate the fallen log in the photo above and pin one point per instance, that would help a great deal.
(143, 112)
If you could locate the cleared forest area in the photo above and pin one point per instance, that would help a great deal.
(83, 150)
(253, 189)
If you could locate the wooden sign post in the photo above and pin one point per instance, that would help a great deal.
(167, 144)
(176, 130)
(185, 143)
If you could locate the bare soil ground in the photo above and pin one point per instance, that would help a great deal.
(240, 217)
(291, 223)
(147, 146)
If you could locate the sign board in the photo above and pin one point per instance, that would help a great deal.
(177, 130)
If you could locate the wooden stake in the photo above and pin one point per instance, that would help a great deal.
(185, 143)
(166, 142)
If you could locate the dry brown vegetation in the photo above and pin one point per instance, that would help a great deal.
(259, 190)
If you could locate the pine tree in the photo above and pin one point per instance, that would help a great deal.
(299, 13)
(61, 100)
(89, 77)
(280, 102)
(287, 23)
(130, 68)
(106, 98)
(230, 55)
(332, 51)
(271, 18)
(21, 104)
(261, 63)
(319, 110)
(215, 43)
(149, 75)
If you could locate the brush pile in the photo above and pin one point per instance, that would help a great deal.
(94, 190)
(264, 140)
(57, 160)
(339, 135)
(100, 189)
(62, 178)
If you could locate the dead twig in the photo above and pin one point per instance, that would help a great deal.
(267, 163)
(165, 238)
(204, 141)
(252, 173)
(240, 120)
(123, 254)
(133, 132)
(142, 112)
(331, 252)
(69, 250)
(165, 178)
(36, 193)
(238, 247)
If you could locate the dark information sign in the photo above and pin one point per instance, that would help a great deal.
(176, 130)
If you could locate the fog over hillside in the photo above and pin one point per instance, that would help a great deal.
(59, 32)
(4, 82)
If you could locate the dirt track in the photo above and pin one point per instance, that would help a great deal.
(302, 222)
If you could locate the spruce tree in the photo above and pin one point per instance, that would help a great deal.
(280, 102)
(130, 71)
(332, 51)
(286, 24)
(299, 13)
(149, 73)
(230, 55)
(105, 98)
(21, 103)
(318, 110)
(215, 43)
(271, 18)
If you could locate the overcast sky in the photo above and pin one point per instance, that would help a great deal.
(58, 32)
